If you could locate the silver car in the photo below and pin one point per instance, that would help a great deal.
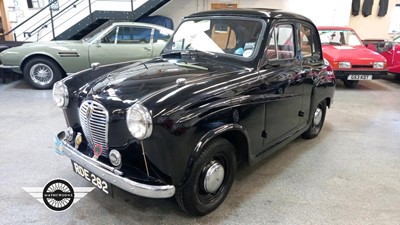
(44, 63)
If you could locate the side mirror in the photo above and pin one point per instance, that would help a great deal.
(97, 43)
(95, 65)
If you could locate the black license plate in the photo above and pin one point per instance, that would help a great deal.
(93, 178)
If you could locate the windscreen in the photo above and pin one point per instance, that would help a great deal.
(239, 37)
(96, 32)
(339, 37)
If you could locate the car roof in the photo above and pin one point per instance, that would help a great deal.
(250, 12)
(334, 28)
(140, 24)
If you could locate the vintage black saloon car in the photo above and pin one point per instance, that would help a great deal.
(231, 86)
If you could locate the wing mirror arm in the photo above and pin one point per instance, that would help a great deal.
(95, 66)
(97, 43)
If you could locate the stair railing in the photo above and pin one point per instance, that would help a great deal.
(26, 33)
(89, 6)
(33, 16)
(89, 12)
(51, 19)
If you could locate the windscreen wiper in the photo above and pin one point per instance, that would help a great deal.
(202, 52)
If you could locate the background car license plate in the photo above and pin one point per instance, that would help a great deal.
(359, 77)
(93, 178)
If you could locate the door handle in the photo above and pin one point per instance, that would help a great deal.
(146, 48)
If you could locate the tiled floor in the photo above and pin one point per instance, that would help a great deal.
(350, 174)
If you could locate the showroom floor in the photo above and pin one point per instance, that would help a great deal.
(350, 174)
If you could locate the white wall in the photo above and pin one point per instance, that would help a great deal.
(378, 27)
(176, 9)
(322, 12)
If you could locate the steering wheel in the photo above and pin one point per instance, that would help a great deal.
(188, 47)
(105, 39)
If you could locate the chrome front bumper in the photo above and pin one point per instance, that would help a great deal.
(8, 67)
(112, 175)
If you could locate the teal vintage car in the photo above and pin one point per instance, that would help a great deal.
(44, 63)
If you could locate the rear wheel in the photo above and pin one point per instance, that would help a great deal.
(350, 83)
(210, 180)
(317, 121)
(42, 73)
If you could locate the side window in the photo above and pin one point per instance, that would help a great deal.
(160, 36)
(130, 35)
(272, 47)
(306, 41)
(110, 37)
(281, 44)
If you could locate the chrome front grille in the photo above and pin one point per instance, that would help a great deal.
(363, 66)
(94, 121)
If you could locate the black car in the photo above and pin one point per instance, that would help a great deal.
(231, 86)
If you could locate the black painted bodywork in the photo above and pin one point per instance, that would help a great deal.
(256, 104)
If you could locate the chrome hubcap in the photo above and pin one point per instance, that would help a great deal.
(41, 74)
(214, 177)
(317, 116)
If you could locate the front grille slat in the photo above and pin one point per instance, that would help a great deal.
(94, 121)
(362, 66)
(98, 136)
(94, 117)
(97, 126)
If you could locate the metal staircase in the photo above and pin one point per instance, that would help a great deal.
(76, 18)
(91, 22)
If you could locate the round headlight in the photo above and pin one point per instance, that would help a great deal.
(139, 122)
(60, 94)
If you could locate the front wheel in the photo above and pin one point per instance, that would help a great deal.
(42, 73)
(316, 122)
(350, 83)
(210, 180)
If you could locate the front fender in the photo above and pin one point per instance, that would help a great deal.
(70, 64)
(206, 138)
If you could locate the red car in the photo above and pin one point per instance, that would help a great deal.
(388, 49)
(350, 59)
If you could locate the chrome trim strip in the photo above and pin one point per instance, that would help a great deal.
(98, 168)
(68, 54)
(8, 67)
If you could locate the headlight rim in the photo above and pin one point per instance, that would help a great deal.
(145, 116)
(65, 94)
